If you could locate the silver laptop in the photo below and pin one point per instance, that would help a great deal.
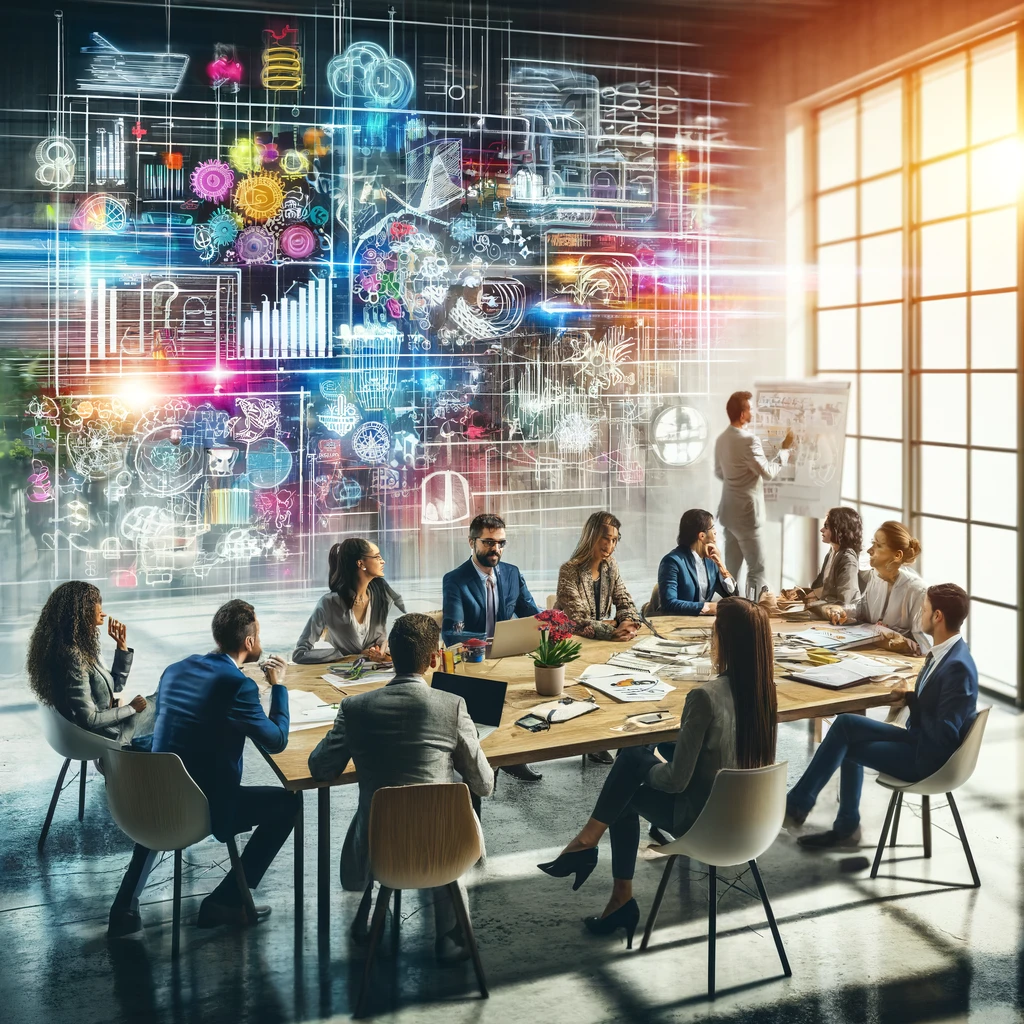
(485, 698)
(515, 636)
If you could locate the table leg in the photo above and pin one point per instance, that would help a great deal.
(323, 862)
(815, 730)
(300, 861)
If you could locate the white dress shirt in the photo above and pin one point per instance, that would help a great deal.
(937, 653)
(703, 584)
(898, 607)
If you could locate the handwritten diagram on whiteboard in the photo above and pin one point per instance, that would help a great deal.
(815, 410)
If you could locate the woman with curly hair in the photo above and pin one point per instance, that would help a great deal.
(66, 672)
(838, 583)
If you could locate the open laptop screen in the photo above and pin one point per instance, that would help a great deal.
(484, 698)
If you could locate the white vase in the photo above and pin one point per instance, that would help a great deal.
(549, 681)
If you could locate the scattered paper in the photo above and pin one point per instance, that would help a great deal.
(627, 687)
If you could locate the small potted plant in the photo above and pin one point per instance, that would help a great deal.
(555, 650)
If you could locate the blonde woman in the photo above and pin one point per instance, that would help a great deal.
(589, 584)
(894, 593)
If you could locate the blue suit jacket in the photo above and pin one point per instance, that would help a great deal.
(941, 714)
(465, 608)
(206, 709)
(678, 591)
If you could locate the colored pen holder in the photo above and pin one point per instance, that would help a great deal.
(474, 650)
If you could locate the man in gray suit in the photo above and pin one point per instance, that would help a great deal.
(403, 734)
(741, 465)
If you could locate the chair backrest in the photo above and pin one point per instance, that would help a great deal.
(154, 800)
(653, 607)
(423, 836)
(741, 819)
(552, 600)
(70, 740)
(962, 762)
(437, 616)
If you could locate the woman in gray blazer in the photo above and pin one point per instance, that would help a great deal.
(838, 582)
(729, 722)
(66, 672)
(354, 615)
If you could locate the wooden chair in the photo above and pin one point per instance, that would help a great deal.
(740, 820)
(156, 803)
(421, 837)
(952, 775)
(73, 743)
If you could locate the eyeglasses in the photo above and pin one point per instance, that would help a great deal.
(493, 543)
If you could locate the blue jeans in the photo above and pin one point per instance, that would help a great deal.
(853, 743)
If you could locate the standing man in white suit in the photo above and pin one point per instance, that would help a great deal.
(741, 465)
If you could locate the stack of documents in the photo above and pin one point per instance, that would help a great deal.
(834, 637)
(851, 670)
(340, 682)
(627, 687)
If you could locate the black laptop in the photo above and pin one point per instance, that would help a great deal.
(485, 698)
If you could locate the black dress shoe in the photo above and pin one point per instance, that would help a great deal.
(213, 914)
(830, 840)
(601, 757)
(523, 772)
(627, 916)
(123, 922)
(579, 862)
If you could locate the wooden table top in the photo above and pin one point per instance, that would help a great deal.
(510, 744)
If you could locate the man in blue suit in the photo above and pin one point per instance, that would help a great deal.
(207, 708)
(942, 706)
(692, 573)
(482, 592)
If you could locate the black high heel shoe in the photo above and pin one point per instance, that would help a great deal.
(627, 916)
(581, 863)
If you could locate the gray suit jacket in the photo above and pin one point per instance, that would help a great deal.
(402, 734)
(839, 581)
(741, 465)
(90, 699)
(706, 743)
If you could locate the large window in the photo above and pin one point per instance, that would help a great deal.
(916, 210)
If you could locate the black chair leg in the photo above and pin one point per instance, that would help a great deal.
(926, 825)
(896, 820)
(652, 917)
(885, 832)
(963, 839)
(396, 919)
(712, 925)
(53, 802)
(176, 907)
(786, 969)
(380, 912)
(243, 885)
(467, 930)
(81, 791)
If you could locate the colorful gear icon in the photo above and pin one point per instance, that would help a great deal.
(255, 245)
(298, 242)
(244, 156)
(259, 196)
(213, 180)
(223, 226)
(293, 163)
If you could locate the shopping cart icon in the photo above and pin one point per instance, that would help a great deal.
(111, 70)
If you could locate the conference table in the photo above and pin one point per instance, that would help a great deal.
(605, 729)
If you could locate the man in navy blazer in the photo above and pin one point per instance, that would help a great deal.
(483, 590)
(692, 573)
(942, 706)
(207, 708)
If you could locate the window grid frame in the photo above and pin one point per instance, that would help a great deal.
(911, 371)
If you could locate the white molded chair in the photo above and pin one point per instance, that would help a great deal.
(421, 837)
(952, 775)
(739, 822)
(551, 601)
(156, 803)
(73, 743)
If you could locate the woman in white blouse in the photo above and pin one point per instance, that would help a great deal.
(894, 593)
(354, 615)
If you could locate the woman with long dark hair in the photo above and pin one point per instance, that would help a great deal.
(727, 722)
(354, 615)
(65, 669)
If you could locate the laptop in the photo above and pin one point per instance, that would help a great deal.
(514, 636)
(485, 698)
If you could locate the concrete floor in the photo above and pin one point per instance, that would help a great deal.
(909, 946)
